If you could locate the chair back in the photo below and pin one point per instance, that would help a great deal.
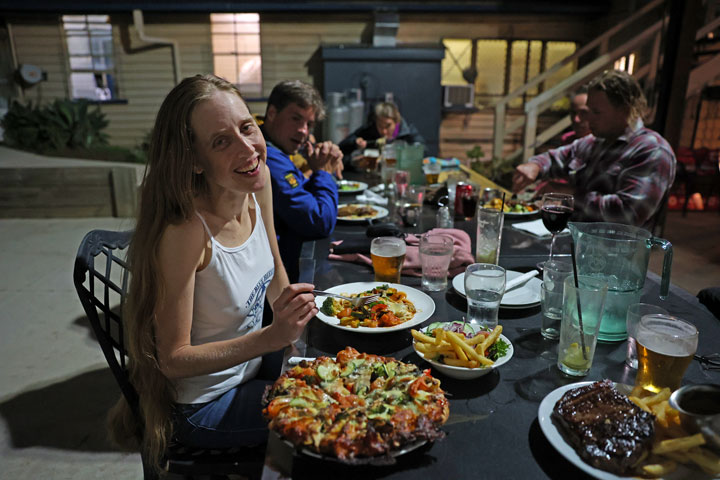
(101, 278)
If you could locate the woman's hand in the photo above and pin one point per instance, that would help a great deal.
(292, 310)
(361, 143)
(525, 174)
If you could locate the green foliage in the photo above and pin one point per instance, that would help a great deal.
(475, 153)
(498, 170)
(63, 124)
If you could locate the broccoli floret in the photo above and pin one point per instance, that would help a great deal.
(328, 307)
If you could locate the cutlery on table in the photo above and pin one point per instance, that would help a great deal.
(521, 280)
(356, 301)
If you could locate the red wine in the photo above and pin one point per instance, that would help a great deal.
(555, 217)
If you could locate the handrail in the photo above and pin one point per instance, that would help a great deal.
(712, 25)
(577, 54)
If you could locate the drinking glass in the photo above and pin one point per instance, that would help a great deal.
(555, 213)
(435, 254)
(484, 288)
(634, 313)
(388, 256)
(581, 314)
(411, 205)
(402, 179)
(665, 348)
(551, 296)
(489, 235)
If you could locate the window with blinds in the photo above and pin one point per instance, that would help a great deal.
(236, 50)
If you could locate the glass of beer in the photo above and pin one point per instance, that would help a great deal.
(665, 348)
(388, 256)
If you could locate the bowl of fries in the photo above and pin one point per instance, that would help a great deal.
(463, 354)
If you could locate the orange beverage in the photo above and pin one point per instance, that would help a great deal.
(388, 256)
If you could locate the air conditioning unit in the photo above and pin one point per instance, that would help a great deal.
(458, 96)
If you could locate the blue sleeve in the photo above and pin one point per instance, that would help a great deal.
(308, 206)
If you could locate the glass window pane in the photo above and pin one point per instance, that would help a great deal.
(81, 63)
(221, 18)
(458, 54)
(490, 67)
(73, 18)
(83, 85)
(103, 63)
(222, 28)
(98, 18)
(249, 69)
(225, 66)
(223, 43)
(78, 45)
(519, 52)
(556, 51)
(248, 44)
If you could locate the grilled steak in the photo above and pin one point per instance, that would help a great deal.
(606, 429)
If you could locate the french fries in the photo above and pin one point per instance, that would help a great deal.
(456, 350)
(673, 445)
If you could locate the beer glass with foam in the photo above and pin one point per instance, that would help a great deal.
(388, 256)
(665, 348)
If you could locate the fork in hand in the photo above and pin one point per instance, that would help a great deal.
(356, 301)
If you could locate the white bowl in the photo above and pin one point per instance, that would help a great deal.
(463, 373)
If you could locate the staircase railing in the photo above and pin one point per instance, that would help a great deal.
(543, 101)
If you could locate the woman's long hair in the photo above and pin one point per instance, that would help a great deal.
(167, 197)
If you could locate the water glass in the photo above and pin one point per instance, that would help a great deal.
(489, 235)
(554, 274)
(435, 254)
(579, 338)
(551, 301)
(388, 256)
(411, 205)
(635, 312)
(484, 288)
(665, 348)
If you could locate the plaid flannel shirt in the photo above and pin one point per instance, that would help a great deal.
(622, 181)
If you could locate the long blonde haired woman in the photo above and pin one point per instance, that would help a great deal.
(203, 256)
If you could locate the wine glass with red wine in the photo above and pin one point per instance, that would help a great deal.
(555, 213)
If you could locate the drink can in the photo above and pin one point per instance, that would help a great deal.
(462, 190)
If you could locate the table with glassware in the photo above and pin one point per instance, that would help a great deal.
(499, 426)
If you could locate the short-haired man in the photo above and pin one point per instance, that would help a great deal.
(621, 172)
(305, 208)
(578, 116)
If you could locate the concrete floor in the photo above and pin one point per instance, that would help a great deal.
(55, 387)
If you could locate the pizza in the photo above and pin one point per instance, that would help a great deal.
(390, 309)
(356, 407)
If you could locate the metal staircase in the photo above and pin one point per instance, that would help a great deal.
(642, 31)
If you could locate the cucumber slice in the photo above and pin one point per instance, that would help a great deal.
(458, 327)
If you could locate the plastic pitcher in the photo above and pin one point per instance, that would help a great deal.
(618, 254)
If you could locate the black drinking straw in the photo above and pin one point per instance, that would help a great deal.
(502, 205)
(577, 291)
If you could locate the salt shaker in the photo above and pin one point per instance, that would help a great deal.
(442, 218)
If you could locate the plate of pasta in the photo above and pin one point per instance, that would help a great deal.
(398, 307)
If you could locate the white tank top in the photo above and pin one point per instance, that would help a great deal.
(228, 303)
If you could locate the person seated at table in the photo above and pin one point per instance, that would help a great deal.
(305, 208)
(386, 123)
(203, 258)
(620, 172)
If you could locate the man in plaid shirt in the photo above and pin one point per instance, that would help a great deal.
(620, 172)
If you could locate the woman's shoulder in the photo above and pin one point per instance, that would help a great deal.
(188, 235)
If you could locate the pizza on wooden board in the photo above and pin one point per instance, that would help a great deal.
(357, 406)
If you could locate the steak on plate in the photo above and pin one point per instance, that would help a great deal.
(606, 429)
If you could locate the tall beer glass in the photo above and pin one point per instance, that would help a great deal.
(665, 348)
(388, 256)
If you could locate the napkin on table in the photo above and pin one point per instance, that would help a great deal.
(462, 253)
(371, 197)
(535, 227)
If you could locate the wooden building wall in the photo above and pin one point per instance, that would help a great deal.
(289, 43)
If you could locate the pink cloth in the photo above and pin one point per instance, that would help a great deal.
(462, 254)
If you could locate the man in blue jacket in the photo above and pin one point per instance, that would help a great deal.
(305, 208)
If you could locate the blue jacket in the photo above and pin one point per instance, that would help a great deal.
(304, 209)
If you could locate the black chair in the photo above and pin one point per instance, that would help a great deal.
(101, 279)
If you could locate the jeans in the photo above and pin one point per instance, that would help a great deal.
(232, 419)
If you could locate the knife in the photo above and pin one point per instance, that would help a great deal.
(521, 280)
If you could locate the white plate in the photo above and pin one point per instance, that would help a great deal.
(566, 450)
(525, 296)
(356, 186)
(381, 212)
(424, 306)
(462, 373)
(522, 214)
